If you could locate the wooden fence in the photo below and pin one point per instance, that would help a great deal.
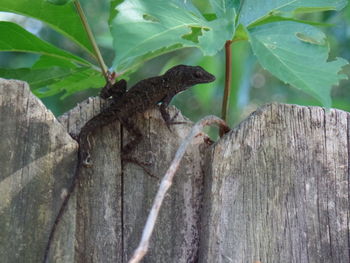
(274, 189)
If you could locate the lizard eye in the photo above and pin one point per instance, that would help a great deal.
(198, 74)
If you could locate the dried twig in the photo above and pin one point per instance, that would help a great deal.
(166, 182)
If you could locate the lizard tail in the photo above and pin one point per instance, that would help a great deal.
(62, 209)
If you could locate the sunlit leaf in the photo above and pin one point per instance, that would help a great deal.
(15, 38)
(78, 81)
(48, 61)
(255, 10)
(38, 78)
(50, 76)
(142, 28)
(59, 2)
(62, 18)
(296, 60)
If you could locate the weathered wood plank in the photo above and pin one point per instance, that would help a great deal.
(176, 236)
(106, 213)
(124, 192)
(98, 204)
(277, 189)
(37, 160)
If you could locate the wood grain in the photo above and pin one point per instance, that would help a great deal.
(277, 189)
(274, 189)
(37, 161)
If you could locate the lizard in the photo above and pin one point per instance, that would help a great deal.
(124, 104)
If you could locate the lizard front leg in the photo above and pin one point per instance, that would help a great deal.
(165, 115)
(163, 109)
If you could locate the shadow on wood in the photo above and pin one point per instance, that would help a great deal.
(275, 189)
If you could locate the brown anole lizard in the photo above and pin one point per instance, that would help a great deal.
(124, 105)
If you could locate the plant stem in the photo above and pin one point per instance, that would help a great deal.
(228, 80)
(88, 30)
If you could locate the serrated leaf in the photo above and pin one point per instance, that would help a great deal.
(62, 18)
(298, 62)
(15, 38)
(145, 27)
(254, 10)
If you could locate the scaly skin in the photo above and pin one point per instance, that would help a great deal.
(124, 105)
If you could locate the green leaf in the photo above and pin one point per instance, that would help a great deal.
(15, 38)
(241, 33)
(275, 18)
(308, 6)
(142, 28)
(80, 80)
(46, 82)
(50, 76)
(297, 54)
(38, 78)
(62, 18)
(317, 39)
(254, 10)
(47, 62)
(224, 8)
(59, 2)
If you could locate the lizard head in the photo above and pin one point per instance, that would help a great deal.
(189, 75)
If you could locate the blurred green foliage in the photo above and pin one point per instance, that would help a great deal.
(252, 86)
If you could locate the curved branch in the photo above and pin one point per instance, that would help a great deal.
(166, 182)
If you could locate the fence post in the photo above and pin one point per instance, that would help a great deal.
(277, 189)
(274, 189)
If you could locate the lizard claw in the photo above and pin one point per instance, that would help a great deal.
(173, 122)
(136, 161)
(74, 136)
(144, 165)
(178, 122)
(169, 122)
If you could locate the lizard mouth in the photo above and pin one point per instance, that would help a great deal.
(205, 77)
(209, 78)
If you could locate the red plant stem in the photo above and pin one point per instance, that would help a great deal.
(228, 80)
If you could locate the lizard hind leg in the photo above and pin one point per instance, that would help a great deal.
(135, 134)
(131, 145)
